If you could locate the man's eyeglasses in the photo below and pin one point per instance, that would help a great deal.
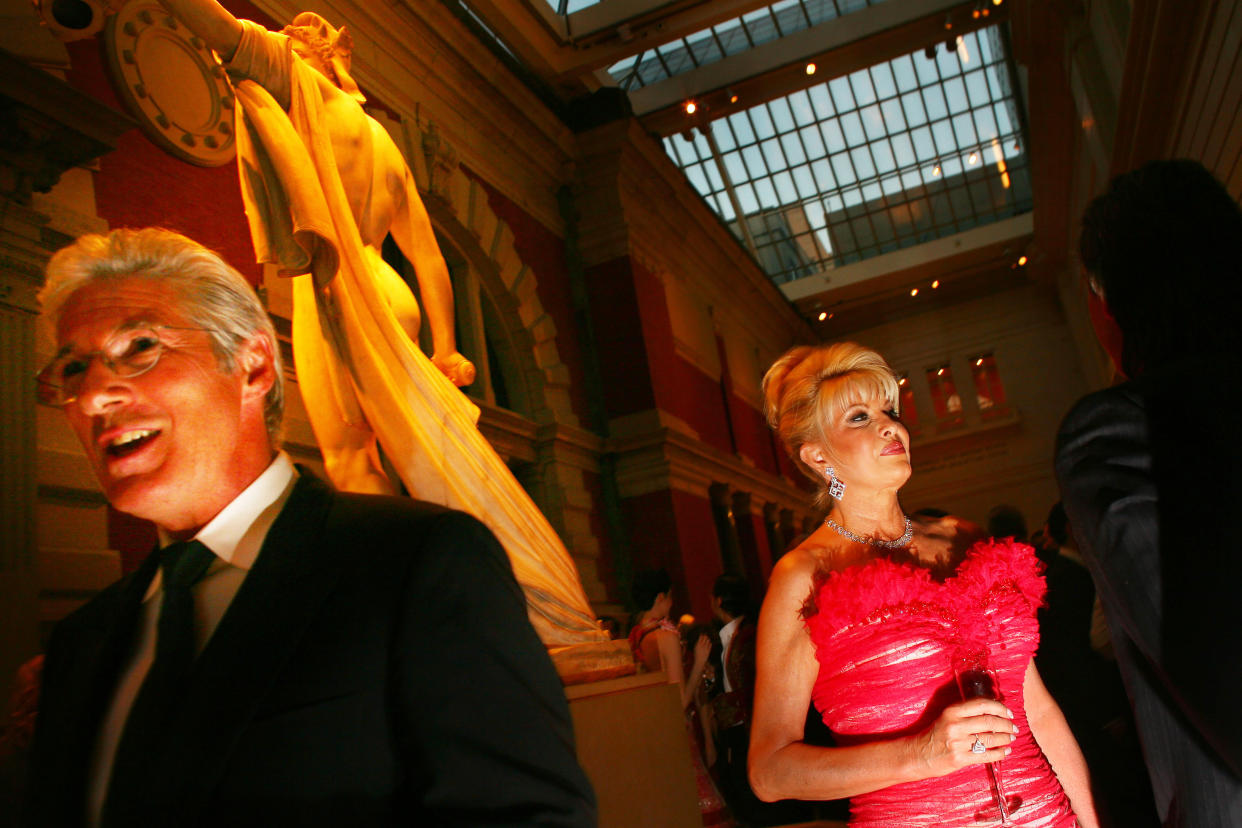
(129, 352)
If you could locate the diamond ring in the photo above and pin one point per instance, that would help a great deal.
(978, 746)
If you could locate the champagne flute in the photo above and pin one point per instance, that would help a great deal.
(976, 681)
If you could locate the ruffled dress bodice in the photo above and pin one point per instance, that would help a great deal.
(886, 636)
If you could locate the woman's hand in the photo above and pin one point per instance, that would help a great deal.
(456, 367)
(945, 746)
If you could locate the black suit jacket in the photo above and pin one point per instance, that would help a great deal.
(1149, 473)
(376, 667)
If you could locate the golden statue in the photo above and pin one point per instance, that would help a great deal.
(324, 184)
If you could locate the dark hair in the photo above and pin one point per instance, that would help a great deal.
(1005, 521)
(734, 594)
(647, 585)
(1163, 244)
(1058, 524)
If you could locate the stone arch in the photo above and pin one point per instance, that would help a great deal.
(458, 207)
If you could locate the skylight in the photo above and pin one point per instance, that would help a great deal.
(728, 38)
(890, 156)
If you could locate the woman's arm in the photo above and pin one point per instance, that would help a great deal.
(782, 766)
(1053, 735)
(670, 658)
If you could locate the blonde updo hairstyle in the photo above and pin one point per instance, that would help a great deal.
(812, 383)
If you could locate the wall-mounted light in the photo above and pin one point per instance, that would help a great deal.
(974, 158)
(914, 291)
(935, 284)
(691, 107)
(70, 20)
(823, 315)
(936, 171)
(810, 68)
(1022, 261)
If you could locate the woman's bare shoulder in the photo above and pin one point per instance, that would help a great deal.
(808, 564)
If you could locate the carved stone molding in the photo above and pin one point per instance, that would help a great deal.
(46, 127)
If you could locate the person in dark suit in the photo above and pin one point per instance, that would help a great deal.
(1149, 474)
(291, 655)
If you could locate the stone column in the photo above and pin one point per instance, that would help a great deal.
(49, 127)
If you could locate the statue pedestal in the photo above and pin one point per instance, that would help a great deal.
(593, 661)
(632, 742)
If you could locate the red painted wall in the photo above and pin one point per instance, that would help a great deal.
(616, 318)
(543, 251)
(674, 530)
(140, 185)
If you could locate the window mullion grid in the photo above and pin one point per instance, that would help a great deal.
(806, 156)
(915, 163)
(957, 139)
(866, 210)
(944, 175)
(742, 222)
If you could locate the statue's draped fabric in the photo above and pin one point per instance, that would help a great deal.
(316, 198)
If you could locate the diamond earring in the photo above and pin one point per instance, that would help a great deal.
(835, 487)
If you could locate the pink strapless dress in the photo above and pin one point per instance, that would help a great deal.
(885, 636)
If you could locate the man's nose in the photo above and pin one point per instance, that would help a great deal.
(101, 389)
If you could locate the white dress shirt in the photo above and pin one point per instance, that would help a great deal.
(235, 535)
(726, 638)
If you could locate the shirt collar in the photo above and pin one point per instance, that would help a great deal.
(237, 532)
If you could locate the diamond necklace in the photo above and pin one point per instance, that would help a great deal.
(896, 543)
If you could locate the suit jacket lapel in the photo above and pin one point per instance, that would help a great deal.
(291, 577)
(81, 704)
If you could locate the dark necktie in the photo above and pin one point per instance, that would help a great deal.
(182, 564)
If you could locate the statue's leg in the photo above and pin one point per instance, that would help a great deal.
(397, 292)
(350, 451)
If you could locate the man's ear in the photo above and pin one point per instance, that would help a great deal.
(257, 365)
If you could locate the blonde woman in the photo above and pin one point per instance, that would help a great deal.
(874, 616)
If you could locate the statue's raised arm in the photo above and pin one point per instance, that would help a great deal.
(219, 29)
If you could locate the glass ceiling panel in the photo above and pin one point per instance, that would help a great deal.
(709, 45)
(887, 157)
(570, 6)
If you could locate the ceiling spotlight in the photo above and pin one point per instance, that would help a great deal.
(940, 372)
(733, 98)
(978, 362)
(935, 284)
(831, 315)
(810, 68)
(997, 2)
(691, 107)
(1017, 147)
(901, 381)
(974, 158)
(975, 14)
(948, 22)
(936, 171)
(1022, 261)
(823, 315)
(914, 291)
(986, 11)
